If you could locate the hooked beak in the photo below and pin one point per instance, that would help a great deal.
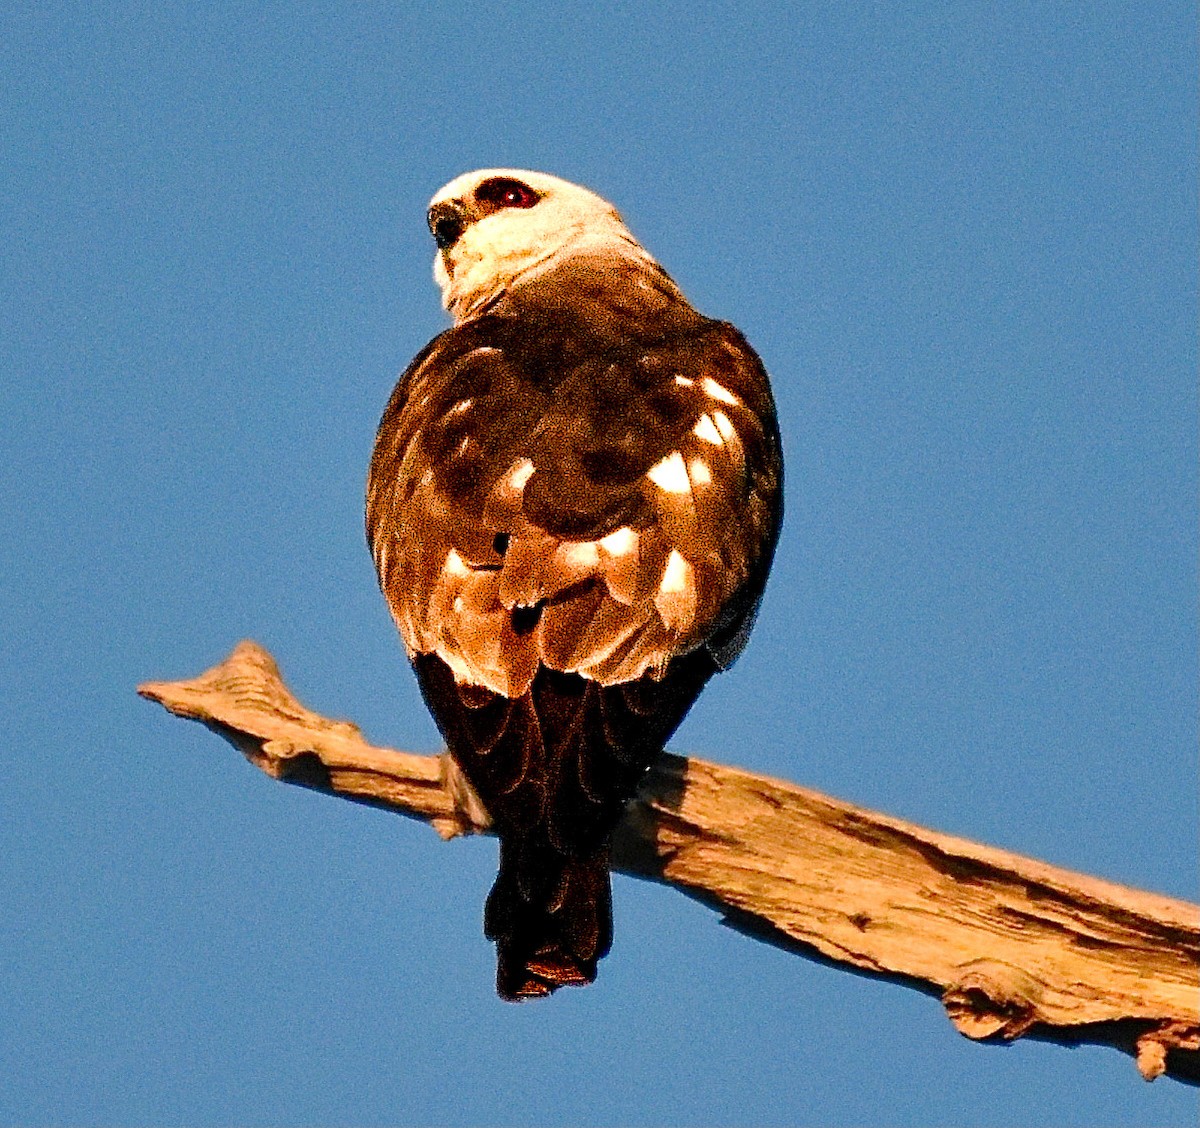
(447, 222)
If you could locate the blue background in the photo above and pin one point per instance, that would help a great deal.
(963, 239)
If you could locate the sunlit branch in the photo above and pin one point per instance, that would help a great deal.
(1012, 946)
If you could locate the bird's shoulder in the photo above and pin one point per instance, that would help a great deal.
(548, 488)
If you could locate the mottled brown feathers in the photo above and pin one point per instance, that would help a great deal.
(572, 506)
(594, 458)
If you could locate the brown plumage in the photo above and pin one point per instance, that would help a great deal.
(572, 504)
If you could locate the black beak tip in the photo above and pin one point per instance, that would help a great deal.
(447, 230)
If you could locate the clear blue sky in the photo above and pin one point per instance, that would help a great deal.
(963, 238)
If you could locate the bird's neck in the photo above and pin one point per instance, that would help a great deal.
(589, 262)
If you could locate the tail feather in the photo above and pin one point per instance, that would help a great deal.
(550, 916)
(555, 768)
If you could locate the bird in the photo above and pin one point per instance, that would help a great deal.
(573, 502)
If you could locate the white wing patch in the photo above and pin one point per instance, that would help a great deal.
(670, 474)
(719, 392)
(706, 429)
(619, 543)
(676, 597)
(677, 575)
(580, 554)
(520, 474)
(455, 565)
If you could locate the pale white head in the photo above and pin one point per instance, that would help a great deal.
(497, 226)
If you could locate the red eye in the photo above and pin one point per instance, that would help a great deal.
(505, 192)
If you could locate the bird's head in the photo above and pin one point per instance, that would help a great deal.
(496, 226)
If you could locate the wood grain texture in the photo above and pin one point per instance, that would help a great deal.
(1012, 946)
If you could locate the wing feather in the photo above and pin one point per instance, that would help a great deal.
(535, 499)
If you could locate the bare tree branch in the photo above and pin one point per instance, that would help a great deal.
(1011, 946)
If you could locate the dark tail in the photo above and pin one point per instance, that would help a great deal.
(555, 769)
(550, 915)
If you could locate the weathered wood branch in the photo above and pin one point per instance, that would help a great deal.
(1012, 946)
